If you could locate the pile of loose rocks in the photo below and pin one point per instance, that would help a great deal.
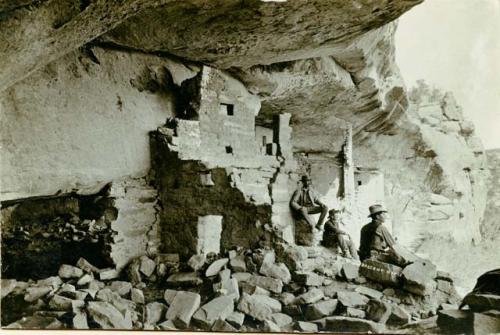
(290, 288)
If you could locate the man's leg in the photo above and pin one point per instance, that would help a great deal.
(303, 212)
(319, 209)
(343, 245)
(352, 248)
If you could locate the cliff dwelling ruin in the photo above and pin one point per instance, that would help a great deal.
(148, 169)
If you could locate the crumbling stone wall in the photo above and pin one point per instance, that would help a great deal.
(217, 138)
(136, 226)
(109, 228)
(184, 198)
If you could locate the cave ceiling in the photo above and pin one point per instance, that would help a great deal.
(324, 61)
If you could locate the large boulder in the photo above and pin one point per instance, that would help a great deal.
(347, 324)
(259, 307)
(419, 277)
(217, 309)
(182, 308)
(270, 284)
(107, 316)
(321, 309)
(276, 270)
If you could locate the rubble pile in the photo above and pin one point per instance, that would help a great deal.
(73, 229)
(291, 288)
(36, 249)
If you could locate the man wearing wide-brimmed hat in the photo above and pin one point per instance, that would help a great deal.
(306, 201)
(376, 241)
(333, 236)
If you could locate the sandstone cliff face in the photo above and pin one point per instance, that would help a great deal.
(434, 172)
(222, 33)
(83, 120)
(490, 228)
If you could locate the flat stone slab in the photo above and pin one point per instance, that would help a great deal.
(107, 316)
(418, 277)
(281, 319)
(120, 287)
(308, 278)
(196, 262)
(236, 319)
(259, 307)
(182, 308)
(217, 309)
(306, 327)
(311, 296)
(68, 271)
(270, 284)
(223, 326)
(147, 266)
(378, 311)
(455, 321)
(36, 292)
(369, 292)
(184, 279)
(86, 266)
(238, 263)
(108, 274)
(346, 324)
(350, 271)
(216, 267)
(321, 309)
(277, 271)
(482, 302)
(155, 312)
(351, 299)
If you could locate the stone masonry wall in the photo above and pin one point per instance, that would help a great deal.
(220, 133)
(136, 226)
(184, 198)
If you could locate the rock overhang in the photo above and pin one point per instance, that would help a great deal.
(223, 34)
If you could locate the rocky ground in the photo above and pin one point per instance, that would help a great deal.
(305, 289)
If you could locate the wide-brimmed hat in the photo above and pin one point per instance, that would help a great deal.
(375, 209)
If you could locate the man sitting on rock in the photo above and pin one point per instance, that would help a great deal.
(305, 201)
(333, 236)
(376, 241)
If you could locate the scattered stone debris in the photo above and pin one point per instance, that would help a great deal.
(218, 296)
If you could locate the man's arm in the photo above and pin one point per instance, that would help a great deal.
(384, 233)
(334, 227)
(316, 198)
(294, 202)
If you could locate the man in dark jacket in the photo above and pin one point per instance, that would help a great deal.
(333, 236)
(376, 241)
(305, 201)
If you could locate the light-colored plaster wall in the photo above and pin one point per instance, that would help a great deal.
(82, 121)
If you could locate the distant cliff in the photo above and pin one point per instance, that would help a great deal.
(490, 228)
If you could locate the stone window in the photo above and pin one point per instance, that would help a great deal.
(264, 141)
(227, 109)
(229, 149)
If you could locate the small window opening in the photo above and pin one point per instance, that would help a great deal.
(264, 141)
(360, 183)
(229, 149)
(227, 109)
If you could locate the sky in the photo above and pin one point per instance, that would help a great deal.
(454, 45)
